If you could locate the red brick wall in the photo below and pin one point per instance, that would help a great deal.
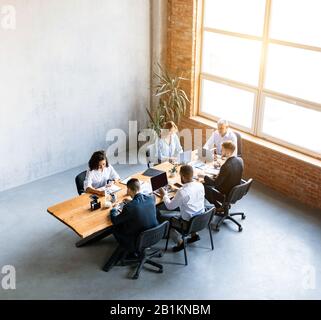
(286, 174)
(181, 40)
(290, 176)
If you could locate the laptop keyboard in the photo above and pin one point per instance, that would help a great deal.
(167, 188)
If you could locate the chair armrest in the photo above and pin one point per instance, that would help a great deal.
(176, 221)
(213, 194)
(176, 224)
(212, 188)
(215, 190)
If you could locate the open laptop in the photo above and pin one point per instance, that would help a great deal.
(208, 154)
(160, 181)
(196, 159)
(185, 157)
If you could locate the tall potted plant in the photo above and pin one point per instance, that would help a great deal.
(172, 101)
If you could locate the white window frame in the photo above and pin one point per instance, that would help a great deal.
(260, 91)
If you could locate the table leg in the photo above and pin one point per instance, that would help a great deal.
(94, 237)
(115, 257)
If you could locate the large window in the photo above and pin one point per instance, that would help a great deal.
(261, 69)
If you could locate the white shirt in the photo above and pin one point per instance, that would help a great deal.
(189, 199)
(217, 140)
(96, 179)
(169, 150)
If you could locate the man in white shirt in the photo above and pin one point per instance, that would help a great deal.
(222, 134)
(189, 200)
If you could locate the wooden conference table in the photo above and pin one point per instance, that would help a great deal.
(93, 226)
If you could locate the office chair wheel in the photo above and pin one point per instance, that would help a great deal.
(240, 229)
(160, 270)
(135, 276)
(216, 229)
(159, 255)
(243, 217)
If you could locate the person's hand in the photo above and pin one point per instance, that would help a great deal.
(113, 212)
(110, 183)
(101, 193)
(172, 160)
(162, 192)
(201, 176)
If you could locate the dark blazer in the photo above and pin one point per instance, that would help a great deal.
(136, 217)
(230, 175)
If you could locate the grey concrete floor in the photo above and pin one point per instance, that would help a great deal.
(277, 256)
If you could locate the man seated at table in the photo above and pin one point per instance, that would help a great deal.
(187, 203)
(222, 134)
(137, 216)
(230, 175)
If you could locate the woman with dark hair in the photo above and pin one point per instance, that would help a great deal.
(100, 173)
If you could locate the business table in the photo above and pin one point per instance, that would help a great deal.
(93, 226)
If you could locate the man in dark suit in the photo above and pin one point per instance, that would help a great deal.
(230, 175)
(137, 216)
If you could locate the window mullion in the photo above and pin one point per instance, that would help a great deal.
(258, 110)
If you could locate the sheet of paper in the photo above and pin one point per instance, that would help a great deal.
(146, 187)
(113, 188)
(127, 179)
(212, 171)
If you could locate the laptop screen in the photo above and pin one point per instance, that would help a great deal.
(159, 181)
(185, 157)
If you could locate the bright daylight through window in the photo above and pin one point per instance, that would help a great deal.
(261, 69)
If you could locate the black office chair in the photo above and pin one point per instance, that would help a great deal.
(151, 158)
(145, 241)
(236, 194)
(196, 224)
(148, 157)
(80, 179)
(239, 144)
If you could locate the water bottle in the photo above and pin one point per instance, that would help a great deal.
(215, 154)
(113, 198)
(106, 193)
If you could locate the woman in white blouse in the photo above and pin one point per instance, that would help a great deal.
(100, 173)
(169, 145)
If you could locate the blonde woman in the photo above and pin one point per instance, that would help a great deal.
(169, 145)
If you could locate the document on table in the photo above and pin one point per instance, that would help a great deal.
(146, 187)
(198, 164)
(211, 170)
(127, 179)
(111, 189)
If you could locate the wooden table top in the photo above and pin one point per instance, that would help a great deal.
(76, 212)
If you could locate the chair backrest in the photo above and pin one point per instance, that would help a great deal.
(239, 144)
(80, 179)
(200, 221)
(239, 191)
(152, 154)
(151, 236)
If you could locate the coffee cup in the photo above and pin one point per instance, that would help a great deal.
(108, 204)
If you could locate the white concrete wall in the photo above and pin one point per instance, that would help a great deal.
(70, 71)
(159, 19)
